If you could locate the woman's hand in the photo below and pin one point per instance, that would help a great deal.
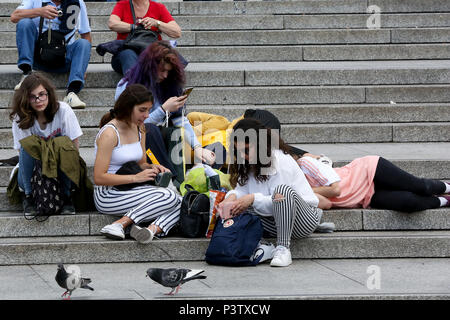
(145, 175)
(205, 155)
(160, 168)
(242, 204)
(148, 22)
(174, 103)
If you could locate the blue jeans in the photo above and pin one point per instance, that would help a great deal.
(77, 56)
(123, 61)
(26, 166)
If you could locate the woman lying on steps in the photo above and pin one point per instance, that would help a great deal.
(122, 139)
(375, 182)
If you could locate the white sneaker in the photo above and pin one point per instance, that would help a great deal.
(142, 235)
(282, 257)
(263, 252)
(113, 231)
(17, 87)
(73, 101)
(325, 227)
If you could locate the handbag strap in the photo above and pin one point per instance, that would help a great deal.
(132, 11)
(41, 23)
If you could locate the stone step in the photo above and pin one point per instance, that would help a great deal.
(288, 37)
(273, 22)
(321, 73)
(324, 133)
(217, 97)
(275, 7)
(288, 53)
(300, 114)
(14, 225)
(433, 169)
(98, 249)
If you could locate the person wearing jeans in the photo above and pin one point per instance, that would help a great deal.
(37, 112)
(78, 52)
(26, 165)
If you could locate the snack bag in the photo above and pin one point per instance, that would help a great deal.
(215, 197)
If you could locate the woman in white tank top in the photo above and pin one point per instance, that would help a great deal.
(120, 140)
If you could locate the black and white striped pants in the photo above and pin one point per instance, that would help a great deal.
(141, 204)
(292, 218)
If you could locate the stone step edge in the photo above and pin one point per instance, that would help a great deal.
(93, 249)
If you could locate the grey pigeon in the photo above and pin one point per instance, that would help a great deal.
(70, 282)
(174, 278)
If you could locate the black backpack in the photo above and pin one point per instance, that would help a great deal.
(46, 192)
(194, 213)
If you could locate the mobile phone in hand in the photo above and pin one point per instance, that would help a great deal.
(187, 91)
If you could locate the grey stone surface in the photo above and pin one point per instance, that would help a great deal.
(377, 52)
(98, 249)
(394, 220)
(425, 93)
(67, 225)
(304, 279)
(360, 21)
(421, 132)
(344, 219)
(298, 37)
(440, 35)
(411, 5)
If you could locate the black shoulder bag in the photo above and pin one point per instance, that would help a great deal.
(194, 213)
(50, 49)
(139, 37)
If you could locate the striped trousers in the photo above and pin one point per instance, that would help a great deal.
(141, 204)
(292, 218)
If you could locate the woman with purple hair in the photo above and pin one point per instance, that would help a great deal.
(160, 69)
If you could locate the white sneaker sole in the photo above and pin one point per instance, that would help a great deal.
(112, 234)
(141, 235)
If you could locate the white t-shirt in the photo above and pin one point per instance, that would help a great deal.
(317, 173)
(65, 123)
(285, 170)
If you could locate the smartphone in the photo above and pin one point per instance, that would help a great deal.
(187, 91)
(163, 179)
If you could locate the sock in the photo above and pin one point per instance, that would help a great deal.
(26, 68)
(443, 201)
(75, 87)
(447, 187)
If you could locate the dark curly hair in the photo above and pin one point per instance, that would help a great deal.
(21, 105)
(243, 130)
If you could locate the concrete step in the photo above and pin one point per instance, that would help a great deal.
(324, 133)
(275, 7)
(217, 97)
(98, 249)
(14, 225)
(269, 21)
(288, 37)
(288, 53)
(321, 73)
(433, 169)
(301, 114)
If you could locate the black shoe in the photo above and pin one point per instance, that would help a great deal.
(68, 207)
(29, 209)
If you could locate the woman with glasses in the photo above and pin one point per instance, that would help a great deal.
(36, 111)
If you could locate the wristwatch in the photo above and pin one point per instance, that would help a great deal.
(158, 24)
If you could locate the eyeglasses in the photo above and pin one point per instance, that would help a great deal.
(42, 96)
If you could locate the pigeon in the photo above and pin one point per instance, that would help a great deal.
(174, 278)
(71, 281)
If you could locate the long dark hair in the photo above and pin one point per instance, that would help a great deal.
(145, 71)
(242, 131)
(132, 95)
(21, 105)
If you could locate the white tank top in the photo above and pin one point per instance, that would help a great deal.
(122, 152)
